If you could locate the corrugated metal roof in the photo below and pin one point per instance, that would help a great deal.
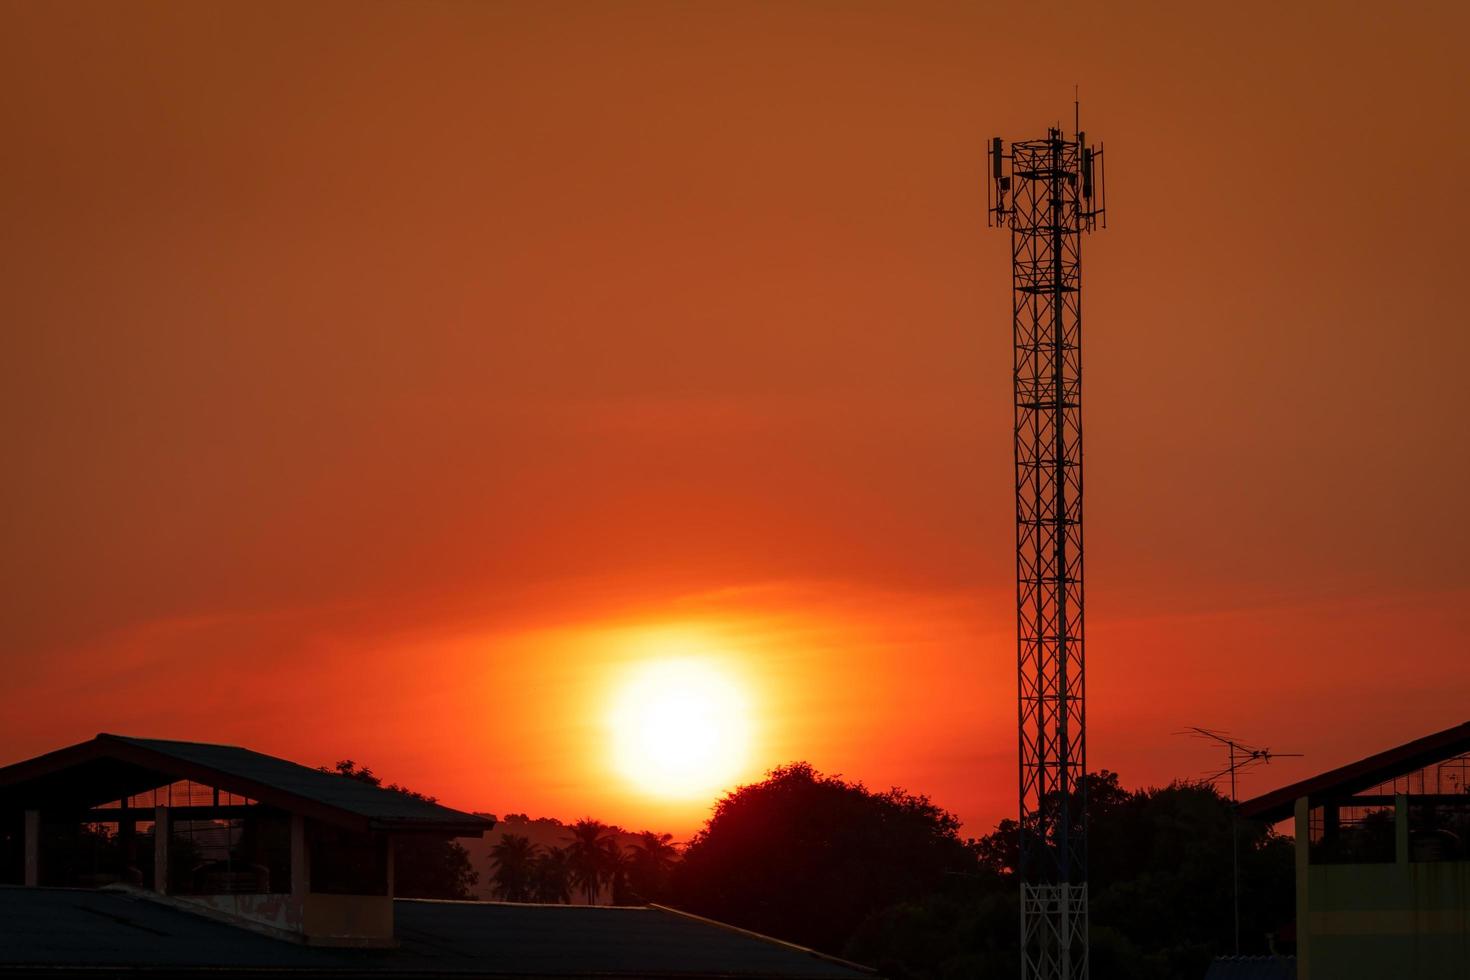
(1252, 968)
(57, 928)
(1363, 774)
(554, 939)
(253, 774)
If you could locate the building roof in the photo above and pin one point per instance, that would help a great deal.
(1363, 774)
(1252, 968)
(45, 930)
(110, 767)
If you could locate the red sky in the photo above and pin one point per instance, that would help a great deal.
(376, 378)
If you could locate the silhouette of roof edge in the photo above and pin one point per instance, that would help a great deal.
(654, 906)
(89, 932)
(1366, 772)
(794, 947)
(269, 779)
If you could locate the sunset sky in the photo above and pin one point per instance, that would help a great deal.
(392, 380)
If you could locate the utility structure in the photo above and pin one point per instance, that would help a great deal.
(1048, 192)
(1242, 757)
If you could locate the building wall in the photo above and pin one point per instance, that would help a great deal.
(1373, 921)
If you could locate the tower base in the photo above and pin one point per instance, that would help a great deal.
(1054, 932)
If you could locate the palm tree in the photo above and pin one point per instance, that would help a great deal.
(650, 860)
(550, 879)
(620, 876)
(591, 855)
(515, 858)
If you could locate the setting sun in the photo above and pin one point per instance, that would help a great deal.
(680, 728)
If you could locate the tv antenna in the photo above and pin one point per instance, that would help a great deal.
(1242, 757)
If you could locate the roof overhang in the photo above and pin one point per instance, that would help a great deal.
(130, 768)
(1366, 773)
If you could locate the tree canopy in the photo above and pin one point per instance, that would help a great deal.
(424, 866)
(807, 857)
(884, 877)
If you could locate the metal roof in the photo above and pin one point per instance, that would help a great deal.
(111, 766)
(1363, 774)
(49, 930)
(1252, 968)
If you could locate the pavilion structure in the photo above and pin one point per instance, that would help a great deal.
(140, 857)
(271, 844)
(1382, 862)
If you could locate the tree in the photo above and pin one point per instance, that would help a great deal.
(424, 866)
(807, 857)
(883, 878)
(619, 876)
(592, 856)
(550, 878)
(514, 857)
(1159, 877)
(650, 859)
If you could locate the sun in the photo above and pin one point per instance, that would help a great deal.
(680, 728)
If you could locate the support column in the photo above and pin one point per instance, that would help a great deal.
(1303, 897)
(388, 843)
(1401, 828)
(162, 832)
(33, 849)
(127, 845)
(1331, 826)
(300, 862)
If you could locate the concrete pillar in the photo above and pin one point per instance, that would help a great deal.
(388, 843)
(1303, 897)
(300, 860)
(1401, 828)
(33, 849)
(1331, 824)
(162, 831)
(127, 840)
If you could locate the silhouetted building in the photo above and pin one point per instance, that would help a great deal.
(127, 854)
(1382, 875)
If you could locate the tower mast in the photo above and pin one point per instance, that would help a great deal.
(1048, 192)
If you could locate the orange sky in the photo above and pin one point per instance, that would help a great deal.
(371, 373)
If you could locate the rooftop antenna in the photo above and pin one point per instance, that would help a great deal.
(1241, 757)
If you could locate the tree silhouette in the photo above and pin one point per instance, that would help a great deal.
(619, 876)
(1159, 873)
(514, 857)
(592, 856)
(550, 876)
(807, 857)
(424, 866)
(649, 860)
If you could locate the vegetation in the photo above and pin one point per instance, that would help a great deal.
(591, 864)
(884, 878)
(808, 857)
(424, 866)
(515, 875)
(650, 863)
(551, 876)
(593, 857)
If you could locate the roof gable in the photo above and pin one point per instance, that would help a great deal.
(1363, 774)
(120, 760)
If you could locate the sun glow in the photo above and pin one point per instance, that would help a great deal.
(680, 727)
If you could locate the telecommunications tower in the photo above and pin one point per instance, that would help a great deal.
(1048, 192)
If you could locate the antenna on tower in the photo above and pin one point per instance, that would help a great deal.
(1242, 757)
(1045, 193)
